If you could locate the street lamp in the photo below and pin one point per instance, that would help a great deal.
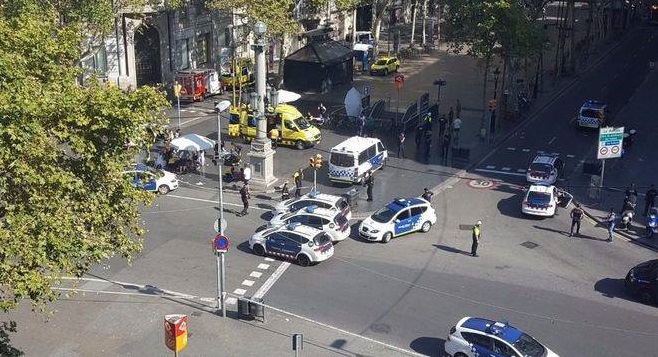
(219, 108)
(439, 83)
(177, 89)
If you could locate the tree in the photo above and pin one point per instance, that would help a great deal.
(64, 203)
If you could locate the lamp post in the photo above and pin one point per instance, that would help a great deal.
(496, 73)
(177, 89)
(221, 224)
(439, 83)
(261, 155)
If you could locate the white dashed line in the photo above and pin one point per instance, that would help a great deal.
(555, 153)
(239, 291)
(268, 284)
(506, 168)
(511, 149)
(255, 274)
(248, 283)
(525, 150)
(540, 151)
(491, 167)
(520, 170)
(571, 156)
(263, 266)
(268, 259)
(231, 301)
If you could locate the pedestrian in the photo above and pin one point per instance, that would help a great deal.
(427, 195)
(245, 195)
(445, 147)
(369, 182)
(401, 140)
(476, 238)
(297, 177)
(177, 134)
(285, 193)
(631, 191)
(458, 112)
(427, 121)
(201, 159)
(611, 220)
(650, 199)
(443, 123)
(576, 217)
(246, 174)
(274, 136)
(451, 115)
(322, 110)
(419, 137)
(362, 124)
(428, 143)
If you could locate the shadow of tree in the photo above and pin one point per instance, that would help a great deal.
(6, 349)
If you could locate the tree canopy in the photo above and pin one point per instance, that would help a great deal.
(64, 203)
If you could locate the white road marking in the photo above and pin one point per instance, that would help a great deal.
(212, 201)
(511, 149)
(571, 156)
(491, 167)
(540, 151)
(272, 279)
(520, 170)
(230, 301)
(255, 274)
(500, 172)
(525, 150)
(552, 140)
(506, 168)
(239, 291)
(268, 259)
(263, 266)
(555, 153)
(248, 282)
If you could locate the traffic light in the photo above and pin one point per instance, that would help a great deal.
(315, 161)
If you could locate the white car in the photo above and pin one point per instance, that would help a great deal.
(475, 336)
(303, 244)
(397, 218)
(315, 198)
(329, 220)
(545, 169)
(543, 200)
(150, 179)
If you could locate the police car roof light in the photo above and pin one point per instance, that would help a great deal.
(293, 225)
(311, 208)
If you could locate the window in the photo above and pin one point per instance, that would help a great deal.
(371, 152)
(403, 215)
(297, 238)
(298, 219)
(184, 54)
(503, 349)
(477, 339)
(363, 157)
(289, 125)
(383, 215)
(251, 121)
(342, 160)
(203, 50)
(380, 147)
(315, 222)
(417, 211)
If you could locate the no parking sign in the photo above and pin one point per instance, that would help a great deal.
(610, 143)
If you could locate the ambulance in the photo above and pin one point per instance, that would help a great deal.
(197, 84)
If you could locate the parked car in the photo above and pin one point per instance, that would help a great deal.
(545, 169)
(475, 336)
(315, 198)
(329, 220)
(399, 217)
(303, 244)
(642, 281)
(151, 179)
(543, 200)
(385, 65)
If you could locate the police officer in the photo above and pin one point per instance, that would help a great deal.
(245, 195)
(285, 193)
(297, 177)
(576, 217)
(369, 182)
(476, 238)
(274, 136)
(427, 195)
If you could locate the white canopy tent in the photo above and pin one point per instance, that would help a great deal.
(192, 142)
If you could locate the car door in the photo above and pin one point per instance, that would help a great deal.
(274, 243)
(501, 348)
(417, 216)
(563, 198)
(314, 221)
(481, 345)
(559, 166)
(402, 222)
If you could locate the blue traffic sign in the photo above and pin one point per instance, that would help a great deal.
(221, 243)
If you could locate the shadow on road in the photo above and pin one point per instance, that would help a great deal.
(612, 288)
(428, 346)
(451, 249)
(510, 206)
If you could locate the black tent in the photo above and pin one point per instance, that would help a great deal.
(318, 66)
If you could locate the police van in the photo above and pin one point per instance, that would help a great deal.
(592, 114)
(351, 159)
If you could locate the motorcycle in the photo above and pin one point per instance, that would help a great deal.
(626, 219)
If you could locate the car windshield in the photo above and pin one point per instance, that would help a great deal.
(321, 239)
(543, 168)
(539, 198)
(590, 113)
(342, 160)
(381, 62)
(340, 220)
(383, 215)
(528, 346)
(302, 123)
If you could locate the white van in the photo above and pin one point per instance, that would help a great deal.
(351, 159)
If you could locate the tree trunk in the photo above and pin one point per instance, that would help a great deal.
(413, 23)
(424, 21)
(283, 52)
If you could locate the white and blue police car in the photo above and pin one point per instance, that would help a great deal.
(314, 198)
(150, 179)
(397, 218)
(303, 244)
(592, 114)
(545, 169)
(475, 336)
(329, 220)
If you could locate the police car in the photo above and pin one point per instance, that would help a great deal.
(475, 336)
(314, 198)
(540, 200)
(545, 169)
(329, 220)
(592, 114)
(303, 244)
(150, 179)
(400, 217)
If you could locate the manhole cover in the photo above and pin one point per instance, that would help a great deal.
(530, 245)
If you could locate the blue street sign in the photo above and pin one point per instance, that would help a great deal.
(221, 243)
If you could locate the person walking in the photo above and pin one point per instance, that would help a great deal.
(362, 124)
(428, 144)
(443, 124)
(456, 127)
(285, 193)
(611, 219)
(451, 114)
(476, 238)
(445, 146)
(401, 140)
(297, 177)
(631, 191)
(650, 199)
(427, 195)
(246, 174)
(369, 182)
(419, 137)
(245, 195)
(576, 217)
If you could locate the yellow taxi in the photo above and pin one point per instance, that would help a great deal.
(385, 65)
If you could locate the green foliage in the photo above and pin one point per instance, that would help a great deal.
(275, 14)
(64, 204)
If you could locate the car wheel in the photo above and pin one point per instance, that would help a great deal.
(426, 227)
(386, 72)
(163, 189)
(258, 249)
(387, 237)
(299, 145)
(645, 296)
(303, 260)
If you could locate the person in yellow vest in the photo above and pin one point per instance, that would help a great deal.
(274, 136)
(476, 238)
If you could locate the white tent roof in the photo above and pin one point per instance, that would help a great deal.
(192, 142)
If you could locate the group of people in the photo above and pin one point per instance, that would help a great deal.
(182, 161)
(448, 131)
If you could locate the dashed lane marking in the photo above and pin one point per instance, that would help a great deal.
(271, 280)
(268, 259)
(500, 172)
(231, 301)
(525, 150)
(248, 283)
(511, 149)
(263, 266)
(506, 168)
(570, 156)
(256, 274)
(491, 167)
(520, 170)
(239, 291)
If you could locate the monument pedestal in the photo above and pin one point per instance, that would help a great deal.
(261, 160)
